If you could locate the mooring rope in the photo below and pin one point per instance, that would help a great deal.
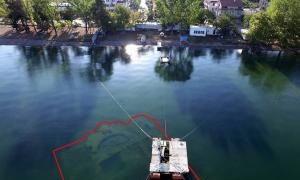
(123, 109)
(189, 133)
(166, 126)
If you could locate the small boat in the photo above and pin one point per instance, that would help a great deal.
(159, 46)
(164, 60)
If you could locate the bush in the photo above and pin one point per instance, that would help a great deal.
(225, 23)
(246, 20)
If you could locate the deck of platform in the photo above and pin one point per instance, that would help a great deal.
(178, 161)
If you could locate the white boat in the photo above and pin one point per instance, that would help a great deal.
(164, 60)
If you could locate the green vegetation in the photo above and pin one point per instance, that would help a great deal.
(15, 13)
(134, 4)
(3, 10)
(173, 12)
(225, 23)
(29, 13)
(246, 20)
(82, 9)
(135, 17)
(120, 17)
(279, 24)
(184, 13)
(44, 15)
(261, 28)
(250, 3)
(100, 16)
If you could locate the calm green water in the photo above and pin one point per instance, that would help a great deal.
(246, 108)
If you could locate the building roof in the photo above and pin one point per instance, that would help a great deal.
(231, 3)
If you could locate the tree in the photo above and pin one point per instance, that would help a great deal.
(150, 15)
(285, 17)
(134, 4)
(225, 23)
(16, 13)
(261, 29)
(120, 16)
(3, 10)
(101, 16)
(246, 20)
(135, 17)
(28, 9)
(200, 15)
(250, 3)
(182, 12)
(68, 14)
(83, 9)
(279, 24)
(45, 13)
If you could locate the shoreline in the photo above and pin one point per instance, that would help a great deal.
(53, 43)
(165, 43)
(8, 36)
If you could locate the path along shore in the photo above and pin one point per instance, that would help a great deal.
(169, 43)
(9, 37)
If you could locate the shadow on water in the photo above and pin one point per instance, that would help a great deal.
(181, 65)
(100, 66)
(269, 71)
(219, 55)
(232, 130)
(145, 49)
(39, 58)
(101, 62)
(52, 110)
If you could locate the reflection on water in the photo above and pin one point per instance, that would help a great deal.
(101, 62)
(246, 108)
(263, 69)
(180, 67)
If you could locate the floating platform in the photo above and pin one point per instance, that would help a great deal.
(169, 159)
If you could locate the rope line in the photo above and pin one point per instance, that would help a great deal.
(166, 126)
(124, 110)
(189, 133)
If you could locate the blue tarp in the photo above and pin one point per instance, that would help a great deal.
(183, 38)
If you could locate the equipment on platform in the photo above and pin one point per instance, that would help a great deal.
(169, 159)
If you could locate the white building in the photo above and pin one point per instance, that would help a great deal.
(149, 26)
(110, 4)
(213, 6)
(229, 7)
(203, 30)
(60, 6)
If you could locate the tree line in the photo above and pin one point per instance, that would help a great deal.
(45, 14)
(279, 24)
(191, 12)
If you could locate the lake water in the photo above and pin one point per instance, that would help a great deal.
(246, 108)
